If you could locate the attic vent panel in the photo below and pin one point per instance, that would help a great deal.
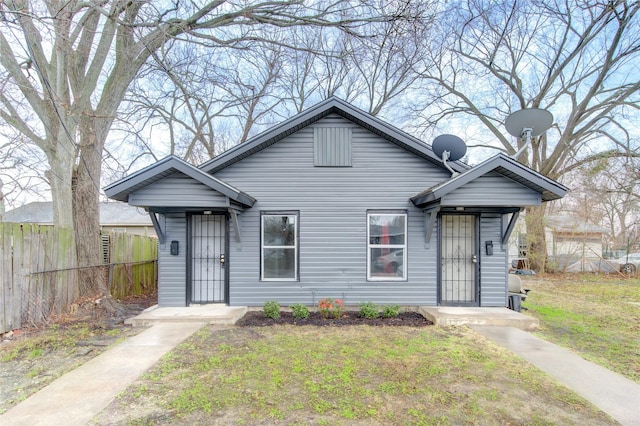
(332, 146)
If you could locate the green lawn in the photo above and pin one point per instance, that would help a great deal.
(290, 375)
(597, 316)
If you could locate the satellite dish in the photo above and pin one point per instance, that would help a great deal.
(538, 120)
(449, 147)
(450, 143)
(527, 124)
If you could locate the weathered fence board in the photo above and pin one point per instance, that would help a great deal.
(36, 269)
(133, 264)
(29, 297)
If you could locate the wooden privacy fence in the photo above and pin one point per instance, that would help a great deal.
(132, 262)
(37, 271)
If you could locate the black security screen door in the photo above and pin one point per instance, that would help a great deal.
(208, 243)
(459, 260)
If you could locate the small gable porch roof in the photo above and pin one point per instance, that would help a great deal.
(500, 166)
(169, 166)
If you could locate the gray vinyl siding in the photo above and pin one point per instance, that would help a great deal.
(178, 190)
(333, 204)
(493, 269)
(496, 189)
(332, 146)
(172, 269)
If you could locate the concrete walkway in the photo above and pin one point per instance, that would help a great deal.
(76, 397)
(612, 393)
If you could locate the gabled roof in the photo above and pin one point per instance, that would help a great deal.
(332, 105)
(503, 165)
(121, 189)
(111, 214)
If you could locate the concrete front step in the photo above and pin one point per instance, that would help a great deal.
(208, 314)
(444, 316)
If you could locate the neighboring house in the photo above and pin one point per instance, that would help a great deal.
(574, 245)
(320, 205)
(114, 216)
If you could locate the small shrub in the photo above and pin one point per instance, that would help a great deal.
(331, 308)
(324, 307)
(272, 309)
(300, 311)
(369, 310)
(338, 308)
(391, 311)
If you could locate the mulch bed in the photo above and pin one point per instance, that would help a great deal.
(257, 319)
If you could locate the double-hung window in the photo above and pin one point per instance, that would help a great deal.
(279, 246)
(386, 245)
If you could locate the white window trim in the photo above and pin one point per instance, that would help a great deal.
(400, 246)
(295, 246)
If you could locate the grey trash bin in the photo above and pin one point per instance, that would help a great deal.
(515, 302)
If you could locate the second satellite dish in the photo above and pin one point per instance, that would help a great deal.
(537, 120)
(526, 124)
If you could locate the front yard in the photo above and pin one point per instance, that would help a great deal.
(349, 375)
(293, 375)
(597, 316)
(391, 375)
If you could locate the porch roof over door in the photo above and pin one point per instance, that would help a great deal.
(172, 183)
(499, 182)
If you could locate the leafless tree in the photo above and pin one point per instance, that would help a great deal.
(606, 193)
(172, 106)
(252, 85)
(576, 58)
(298, 83)
(201, 101)
(196, 94)
(387, 65)
(21, 172)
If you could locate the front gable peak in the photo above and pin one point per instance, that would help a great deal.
(310, 116)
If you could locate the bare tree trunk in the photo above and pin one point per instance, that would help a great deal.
(86, 216)
(536, 239)
(59, 177)
(1, 202)
(86, 219)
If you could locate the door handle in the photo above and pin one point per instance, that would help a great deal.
(474, 259)
(222, 259)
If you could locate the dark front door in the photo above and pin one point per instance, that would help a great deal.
(208, 263)
(458, 260)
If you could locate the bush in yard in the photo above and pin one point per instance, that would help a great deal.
(369, 310)
(324, 307)
(300, 311)
(338, 308)
(391, 311)
(272, 309)
(331, 308)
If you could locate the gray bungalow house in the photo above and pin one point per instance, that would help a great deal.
(334, 203)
